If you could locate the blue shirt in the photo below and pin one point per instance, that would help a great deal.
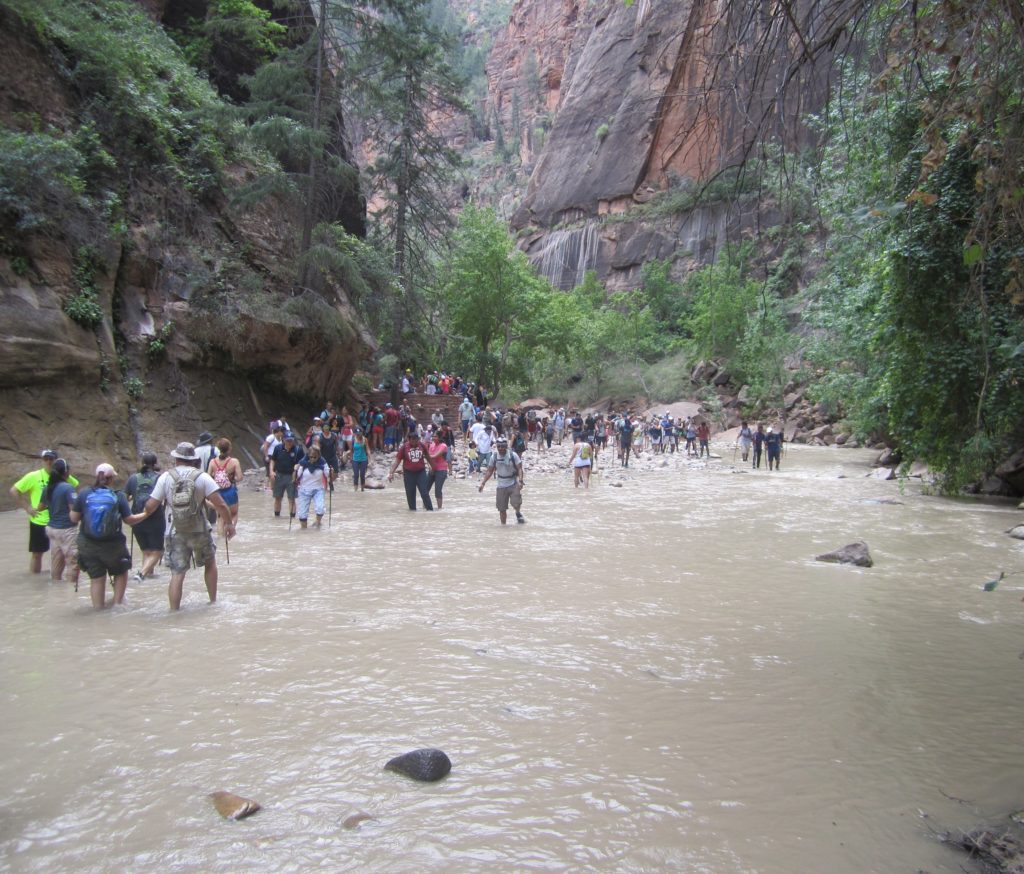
(63, 496)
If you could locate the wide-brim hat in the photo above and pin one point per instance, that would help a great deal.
(205, 437)
(184, 451)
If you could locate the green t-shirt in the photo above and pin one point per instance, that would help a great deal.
(33, 484)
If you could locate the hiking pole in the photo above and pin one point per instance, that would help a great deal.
(227, 547)
(330, 504)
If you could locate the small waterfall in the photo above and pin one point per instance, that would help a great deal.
(565, 256)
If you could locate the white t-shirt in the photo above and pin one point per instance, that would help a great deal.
(484, 441)
(272, 444)
(205, 485)
(475, 430)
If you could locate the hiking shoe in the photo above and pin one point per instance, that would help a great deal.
(138, 577)
(520, 519)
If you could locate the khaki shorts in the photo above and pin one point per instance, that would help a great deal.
(506, 495)
(65, 541)
(180, 549)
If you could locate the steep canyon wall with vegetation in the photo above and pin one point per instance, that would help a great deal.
(150, 263)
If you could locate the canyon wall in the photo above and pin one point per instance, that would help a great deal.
(613, 104)
(202, 327)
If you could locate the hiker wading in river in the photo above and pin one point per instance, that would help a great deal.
(413, 458)
(184, 488)
(509, 468)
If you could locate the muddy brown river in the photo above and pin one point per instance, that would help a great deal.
(655, 677)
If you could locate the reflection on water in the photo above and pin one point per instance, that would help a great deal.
(652, 677)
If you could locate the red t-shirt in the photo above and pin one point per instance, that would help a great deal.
(438, 453)
(413, 457)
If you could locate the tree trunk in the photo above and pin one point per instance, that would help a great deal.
(309, 208)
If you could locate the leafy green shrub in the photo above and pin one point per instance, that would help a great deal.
(158, 344)
(722, 298)
(602, 132)
(133, 386)
(41, 178)
(137, 88)
(83, 308)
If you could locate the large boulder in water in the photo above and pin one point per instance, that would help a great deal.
(1017, 531)
(853, 553)
(426, 764)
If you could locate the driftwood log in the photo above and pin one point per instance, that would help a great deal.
(1000, 851)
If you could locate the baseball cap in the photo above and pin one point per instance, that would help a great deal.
(501, 441)
(47, 453)
(105, 469)
(288, 435)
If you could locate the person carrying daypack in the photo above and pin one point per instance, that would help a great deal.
(149, 534)
(184, 490)
(102, 548)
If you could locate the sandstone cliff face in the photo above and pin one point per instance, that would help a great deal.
(201, 329)
(633, 114)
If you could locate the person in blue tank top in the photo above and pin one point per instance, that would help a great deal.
(360, 461)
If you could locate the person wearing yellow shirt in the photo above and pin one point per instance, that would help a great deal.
(27, 492)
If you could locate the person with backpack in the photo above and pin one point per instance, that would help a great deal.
(149, 534)
(184, 489)
(509, 468)
(282, 470)
(102, 548)
(312, 475)
(227, 473)
(582, 463)
(625, 438)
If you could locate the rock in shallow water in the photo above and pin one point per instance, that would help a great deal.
(426, 764)
(356, 819)
(853, 553)
(232, 806)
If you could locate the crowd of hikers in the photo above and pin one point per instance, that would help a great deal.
(173, 513)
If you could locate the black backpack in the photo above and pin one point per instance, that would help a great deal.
(144, 483)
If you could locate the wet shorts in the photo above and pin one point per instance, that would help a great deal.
(101, 557)
(506, 495)
(37, 539)
(283, 483)
(180, 549)
(230, 495)
(149, 533)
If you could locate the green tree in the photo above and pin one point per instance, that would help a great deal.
(723, 296)
(495, 298)
(406, 84)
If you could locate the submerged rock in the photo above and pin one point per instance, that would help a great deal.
(1017, 531)
(853, 553)
(232, 806)
(426, 764)
(356, 819)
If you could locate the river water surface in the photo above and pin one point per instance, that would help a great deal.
(657, 677)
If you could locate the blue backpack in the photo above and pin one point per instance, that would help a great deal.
(102, 517)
